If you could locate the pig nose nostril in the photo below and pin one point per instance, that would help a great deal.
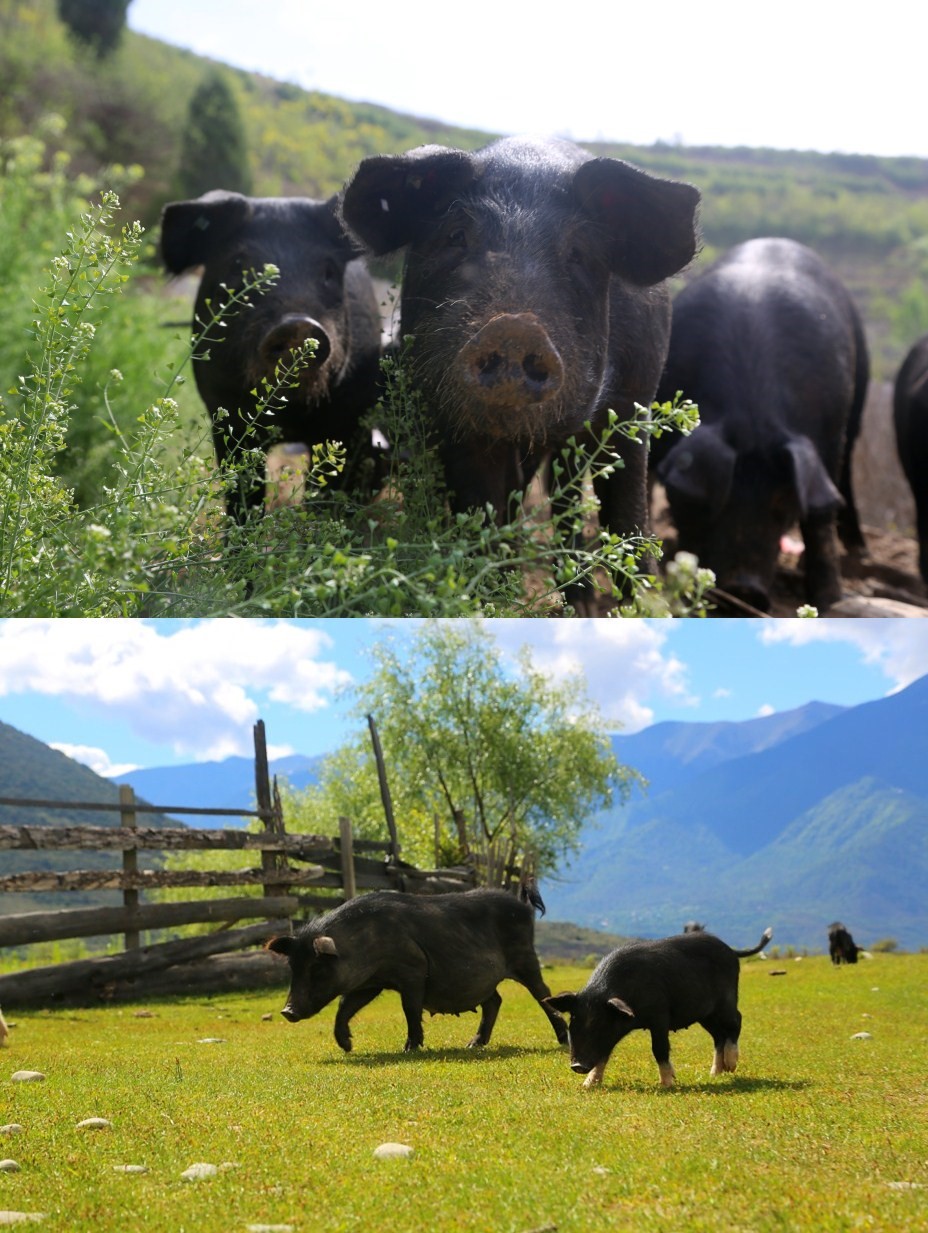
(537, 369)
(490, 368)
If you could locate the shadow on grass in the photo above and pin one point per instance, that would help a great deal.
(714, 1087)
(419, 1056)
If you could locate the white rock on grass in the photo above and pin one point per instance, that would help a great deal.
(269, 1228)
(391, 1151)
(862, 1036)
(20, 1217)
(197, 1172)
(212, 1040)
(130, 1168)
(28, 1076)
(11, 1128)
(94, 1123)
(9, 1166)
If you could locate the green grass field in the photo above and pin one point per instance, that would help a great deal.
(815, 1131)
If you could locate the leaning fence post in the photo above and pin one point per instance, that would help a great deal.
(346, 848)
(130, 860)
(269, 809)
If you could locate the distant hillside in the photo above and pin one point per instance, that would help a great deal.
(215, 785)
(827, 816)
(31, 770)
(867, 215)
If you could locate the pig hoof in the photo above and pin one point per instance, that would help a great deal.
(668, 1074)
(344, 1042)
(476, 1043)
(412, 1045)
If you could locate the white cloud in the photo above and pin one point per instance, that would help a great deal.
(625, 663)
(97, 759)
(898, 647)
(721, 692)
(197, 687)
(765, 710)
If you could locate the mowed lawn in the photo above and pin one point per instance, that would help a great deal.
(816, 1130)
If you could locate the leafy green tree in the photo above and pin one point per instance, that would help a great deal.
(482, 764)
(96, 23)
(214, 148)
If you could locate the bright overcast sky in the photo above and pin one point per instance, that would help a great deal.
(118, 694)
(799, 74)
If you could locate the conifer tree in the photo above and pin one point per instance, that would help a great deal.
(214, 149)
(96, 23)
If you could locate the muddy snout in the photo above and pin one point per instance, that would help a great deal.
(286, 335)
(511, 362)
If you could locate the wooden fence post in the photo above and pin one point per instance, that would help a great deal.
(269, 808)
(346, 847)
(130, 859)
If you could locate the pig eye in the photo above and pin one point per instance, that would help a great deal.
(457, 238)
(330, 273)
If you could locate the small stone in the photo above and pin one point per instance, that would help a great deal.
(212, 1040)
(861, 1036)
(20, 1217)
(94, 1123)
(28, 1076)
(269, 1228)
(601, 1170)
(265, 1019)
(9, 1166)
(197, 1172)
(906, 1185)
(144, 1014)
(11, 1128)
(130, 1168)
(390, 1151)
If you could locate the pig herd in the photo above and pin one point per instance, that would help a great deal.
(534, 302)
(447, 954)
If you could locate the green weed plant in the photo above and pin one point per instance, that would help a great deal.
(816, 1131)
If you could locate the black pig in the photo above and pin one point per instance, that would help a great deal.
(443, 953)
(910, 413)
(660, 986)
(532, 290)
(841, 946)
(324, 293)
(769, 344)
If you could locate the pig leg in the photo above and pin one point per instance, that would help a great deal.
(412, 1009)
(725, 1035)
(529, 975)
(821, 562)
(349, 1006)
(660, 1047)
(489, 1011)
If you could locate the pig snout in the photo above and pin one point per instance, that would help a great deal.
(511, 362)
(580, 1068)
(290, 1014)
(289, 333)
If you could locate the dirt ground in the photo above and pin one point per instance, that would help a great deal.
(885, 580)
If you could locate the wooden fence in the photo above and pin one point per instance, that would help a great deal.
(289, 865)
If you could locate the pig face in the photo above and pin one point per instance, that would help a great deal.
(509, 284)
(231, 235)
(597, 1024)
(314, 974)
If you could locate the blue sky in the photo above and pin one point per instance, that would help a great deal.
(121, 694)
(821, 76)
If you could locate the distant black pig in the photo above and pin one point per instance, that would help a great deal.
(660, 986)
(910, 412)
(324, 292)
(769, 344)
(442, 953)
(841, 946)
(532, 290)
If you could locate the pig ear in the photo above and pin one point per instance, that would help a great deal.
(566, 1002)
(391, 197)
(280, 946)
(191, 231)
(622, 1007)
(328, 213)
(650, 223)
(324, 946)
(700, 468)
(814, 487)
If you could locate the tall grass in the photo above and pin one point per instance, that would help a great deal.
(816, 1131)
